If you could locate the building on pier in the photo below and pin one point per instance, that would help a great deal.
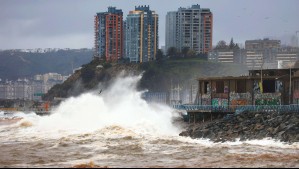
(261, 90)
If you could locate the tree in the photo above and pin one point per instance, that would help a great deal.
(221, 45)
(231, 44)
(172, 52)
(103, 58)
(185, 51)
(159, 55)
(236, 46)
(87, 74)
(191, 53)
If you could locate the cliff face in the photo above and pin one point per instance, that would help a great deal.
(157, 76)
(89, 77)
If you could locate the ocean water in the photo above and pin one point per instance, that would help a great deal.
(118, 129)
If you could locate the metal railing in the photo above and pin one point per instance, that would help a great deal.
(239, 109)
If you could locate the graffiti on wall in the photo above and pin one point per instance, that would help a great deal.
(220, 95)
(268, 102)
(268, 99)
(219, 102)
(235, 96)
(208, 89)
(240, 99)
(296, 97)
(268, 95)
(213, 87)
(296, 94)
(256, 87)
(239, 102)
(205, 99)
(278, 86)
(226, 90)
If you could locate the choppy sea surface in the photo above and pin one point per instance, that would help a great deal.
(119, 129)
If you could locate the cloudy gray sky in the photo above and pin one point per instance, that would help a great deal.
(69, 23)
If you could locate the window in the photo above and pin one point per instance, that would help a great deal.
(220, 87)
(241, 86)
(296, 85)
(206, 87)
(269, 86)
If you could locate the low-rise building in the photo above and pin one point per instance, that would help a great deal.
(30, 90)
(271, 87)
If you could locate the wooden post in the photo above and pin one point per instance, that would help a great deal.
(252, 92)
(228, 96)
(200, 92)
(211, 92)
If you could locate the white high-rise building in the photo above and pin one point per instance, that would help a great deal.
(191, 28)
(171, 29)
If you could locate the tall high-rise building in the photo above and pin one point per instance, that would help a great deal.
(191, 28)
(141, 37)
(109, 34)
(206, 31)
(171, 30)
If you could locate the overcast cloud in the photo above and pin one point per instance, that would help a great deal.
(69, 23)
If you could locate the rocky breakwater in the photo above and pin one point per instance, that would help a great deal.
(248, 126)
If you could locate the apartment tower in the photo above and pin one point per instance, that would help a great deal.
(141, 37)
(190, 27)
(109, 35)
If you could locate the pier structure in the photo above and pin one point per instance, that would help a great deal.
(271, 90)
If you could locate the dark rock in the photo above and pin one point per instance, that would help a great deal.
(258, 127)
(279, 135)
(184, 133)
(257, 115)
(283, 127)
(239, 118)
(276, 130)
(270, 130)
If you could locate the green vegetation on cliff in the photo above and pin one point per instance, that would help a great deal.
(157, 76)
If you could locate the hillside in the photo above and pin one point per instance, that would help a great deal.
(16, 64)
(157, 76)
(185, 71)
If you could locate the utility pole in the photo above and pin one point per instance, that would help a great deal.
(290, 93)
(297, 32)
(261, 87)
